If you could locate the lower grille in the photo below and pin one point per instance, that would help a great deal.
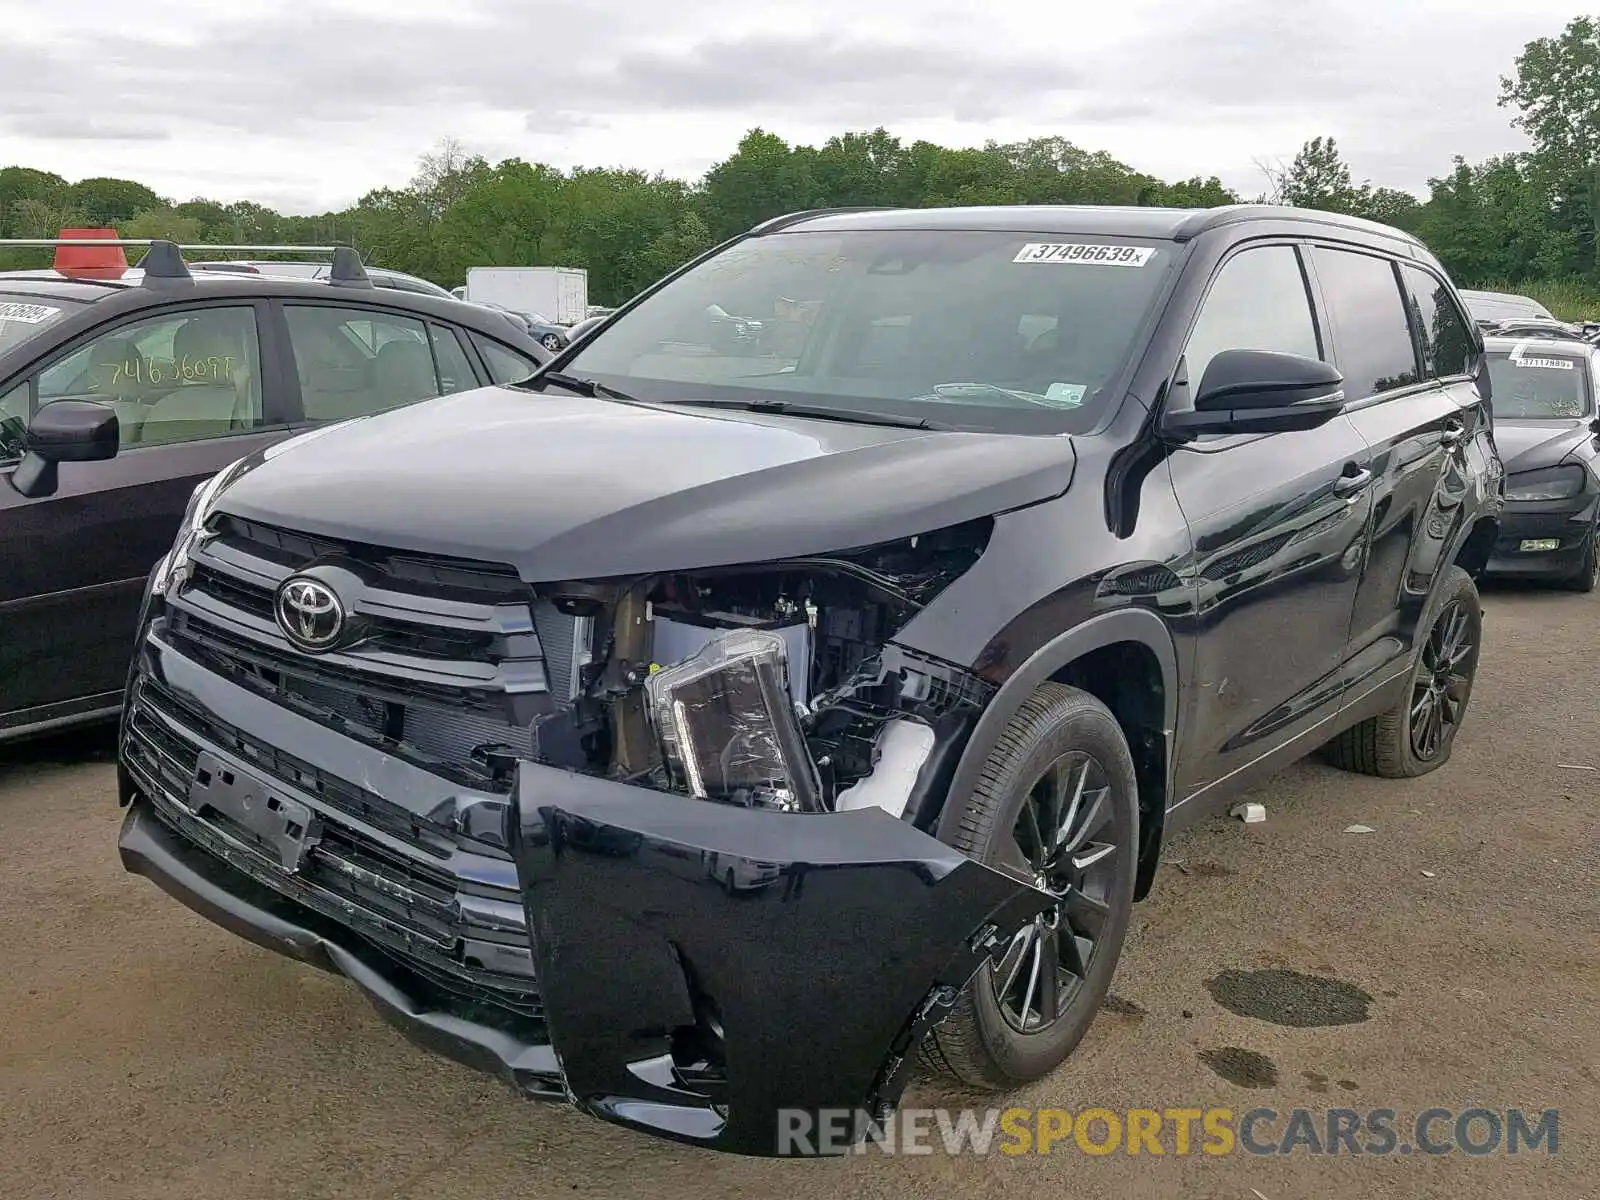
(472, 943)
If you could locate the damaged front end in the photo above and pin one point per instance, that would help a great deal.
(659, 843)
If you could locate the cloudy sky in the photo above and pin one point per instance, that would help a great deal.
(305, 104)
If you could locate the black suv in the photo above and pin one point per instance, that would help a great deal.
(707, 729)
(119, 395)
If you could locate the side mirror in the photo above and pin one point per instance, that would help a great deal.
(64, 431)
(1261, 391)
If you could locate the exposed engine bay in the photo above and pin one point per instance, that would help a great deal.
(772, 685)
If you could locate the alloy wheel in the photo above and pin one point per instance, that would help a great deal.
(1439, 697)
(1065, 840)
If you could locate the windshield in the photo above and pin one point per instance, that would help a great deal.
(986, 330)
(1530, 384)
(22, 316)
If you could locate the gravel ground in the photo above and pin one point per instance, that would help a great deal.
(1449, 959)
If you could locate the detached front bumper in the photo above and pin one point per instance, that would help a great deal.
(709, 974)
(1567, 523)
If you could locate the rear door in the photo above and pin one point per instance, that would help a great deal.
(193, 391)
(1406, 352)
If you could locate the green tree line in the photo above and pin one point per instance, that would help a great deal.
(1529, 220)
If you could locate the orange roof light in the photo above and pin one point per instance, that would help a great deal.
(90, 262)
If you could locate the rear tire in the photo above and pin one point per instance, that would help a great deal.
(1062, 770)
(1417, 734)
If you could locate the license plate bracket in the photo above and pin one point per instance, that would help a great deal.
(287, 827)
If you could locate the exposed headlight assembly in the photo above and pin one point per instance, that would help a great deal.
(727, 724)
(1551, 483)
(194, 522)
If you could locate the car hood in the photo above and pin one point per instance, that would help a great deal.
(1529, 445)
(564, 487)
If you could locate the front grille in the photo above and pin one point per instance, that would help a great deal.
(455, 662)
(470, 939)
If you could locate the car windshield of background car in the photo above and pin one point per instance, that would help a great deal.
(1532, 384)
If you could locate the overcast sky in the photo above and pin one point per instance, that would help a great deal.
(306, 104)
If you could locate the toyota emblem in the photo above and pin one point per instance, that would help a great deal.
(309, 613)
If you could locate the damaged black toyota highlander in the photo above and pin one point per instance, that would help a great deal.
(738, 712)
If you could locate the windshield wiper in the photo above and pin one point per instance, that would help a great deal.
(583, 387)
(818, 412)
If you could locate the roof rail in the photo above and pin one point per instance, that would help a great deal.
(347, 270)
(773, 224)
(1201, 220)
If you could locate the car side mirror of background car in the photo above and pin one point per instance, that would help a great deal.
(64, 431)
(1261, 391)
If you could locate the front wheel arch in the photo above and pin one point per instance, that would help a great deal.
(1079, 657)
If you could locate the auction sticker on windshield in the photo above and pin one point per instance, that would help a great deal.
(1079, 253)
(32, 314)
(1519, 355)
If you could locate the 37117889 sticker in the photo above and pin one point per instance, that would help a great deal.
(1078, 253)
(1520, 356)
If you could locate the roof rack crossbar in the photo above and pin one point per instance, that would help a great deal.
(44, 243)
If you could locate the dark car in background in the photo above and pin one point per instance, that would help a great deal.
(382, 277)
(707, 728)
(546, 332)
(119, 396)
(1548, 430)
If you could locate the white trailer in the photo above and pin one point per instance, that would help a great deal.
(559, 294)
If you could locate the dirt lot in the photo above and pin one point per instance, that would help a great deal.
(145, 1053)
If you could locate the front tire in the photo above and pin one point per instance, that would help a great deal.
(1057, 802)
(1417, 734)
(1587, 577)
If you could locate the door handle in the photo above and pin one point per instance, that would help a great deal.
(1352, 482)
(1453, 433)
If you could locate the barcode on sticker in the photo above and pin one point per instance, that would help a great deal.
(32, 314)
(1079, 252)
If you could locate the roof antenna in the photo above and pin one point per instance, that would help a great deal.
(347, 270)
(163, 260)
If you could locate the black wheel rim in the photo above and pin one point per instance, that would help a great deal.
(1065, 840)
(1439, 697)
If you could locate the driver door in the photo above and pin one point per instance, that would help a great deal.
(192, 394)
(1279, 525)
